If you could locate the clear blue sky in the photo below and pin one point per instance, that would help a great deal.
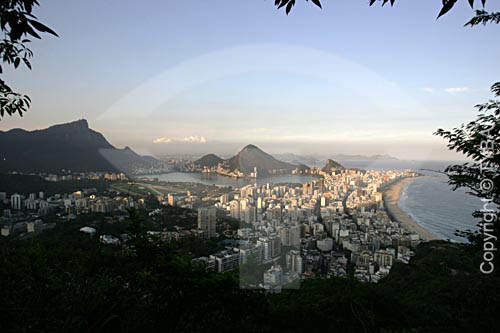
(346, 79)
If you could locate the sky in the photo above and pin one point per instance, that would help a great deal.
(203, 76)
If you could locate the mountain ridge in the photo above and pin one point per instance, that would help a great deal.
(70, 146)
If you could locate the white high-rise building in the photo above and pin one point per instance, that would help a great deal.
(207, 219)
(265, 244)
(15, 201)
(294, 262)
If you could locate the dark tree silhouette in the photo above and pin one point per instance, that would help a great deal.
(483, 17)
(17, 24)
(447, 6)
(480, 141)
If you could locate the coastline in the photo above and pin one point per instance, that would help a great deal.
(391, 197)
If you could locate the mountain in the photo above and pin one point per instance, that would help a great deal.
(251, 156)
(151, 159)
(246, 160)
(71, 146)
(331, 165)
(209, 161)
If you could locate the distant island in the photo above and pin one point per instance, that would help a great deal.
(319, 159)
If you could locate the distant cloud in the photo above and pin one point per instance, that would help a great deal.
(187, 139)
(428, 89)
(456, 90)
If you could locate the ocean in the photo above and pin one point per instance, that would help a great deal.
(429, 200)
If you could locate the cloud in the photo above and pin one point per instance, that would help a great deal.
(187, 139)
(428, 89)
(456, 90)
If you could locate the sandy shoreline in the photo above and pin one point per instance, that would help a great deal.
(391, 196)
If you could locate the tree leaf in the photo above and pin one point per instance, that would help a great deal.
(447, 6)
(27, 63)
(317, 3)
(289, 7)
(283, 3)
(32, 32)
(43, 28)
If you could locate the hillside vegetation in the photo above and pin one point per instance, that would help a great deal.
(64, 280)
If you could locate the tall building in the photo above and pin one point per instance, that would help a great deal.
(234, 207)
(15, 201)
(273, 276)
(290, 236)
(294, 262)
(275, 246)
(207, 219)
(171, 199)
(271, 247)
(224, 199)
(383, 258)
(31, 204)
(226, 260)
(250, 214)
(276, 213)
(260, 204)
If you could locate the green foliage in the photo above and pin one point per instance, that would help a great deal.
(177, 216)
(17, 23)
(26, 184)
(234, 224)
(478, 140)
(252, 272)
(64, 280)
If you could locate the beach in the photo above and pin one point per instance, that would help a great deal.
(391, 196)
